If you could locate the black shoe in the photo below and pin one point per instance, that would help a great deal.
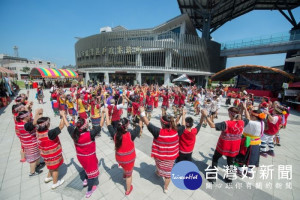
(35, 173)
(40, 166)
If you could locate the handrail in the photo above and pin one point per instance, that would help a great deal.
(277, 38)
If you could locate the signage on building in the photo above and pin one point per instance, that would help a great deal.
(109, 51)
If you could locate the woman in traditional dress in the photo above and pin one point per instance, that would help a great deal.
(15, 111)
(229, 141)
(86, 150)
(248, 157)
(165, 103)
(124, 146)
(50, 148)
(156, 96)
(29, 141)
(165, 147)
(149, 103)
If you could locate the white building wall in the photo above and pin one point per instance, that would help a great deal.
(18, 66)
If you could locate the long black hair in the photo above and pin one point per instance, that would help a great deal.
(43, 123)
(79, 128)
(121, 129)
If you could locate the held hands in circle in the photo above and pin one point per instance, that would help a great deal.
(204, 112)
(62, 113)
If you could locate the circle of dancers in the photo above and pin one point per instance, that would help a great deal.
(84, 110)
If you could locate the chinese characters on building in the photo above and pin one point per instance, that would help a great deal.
(109, 51)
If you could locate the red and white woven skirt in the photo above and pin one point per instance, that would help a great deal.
(164, 167)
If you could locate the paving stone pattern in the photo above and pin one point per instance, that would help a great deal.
(16, 184)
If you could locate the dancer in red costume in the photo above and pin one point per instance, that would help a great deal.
(50, 147)
(29, 141)
(86, 150)
(124, 146)
(229, 141)
(165, 147)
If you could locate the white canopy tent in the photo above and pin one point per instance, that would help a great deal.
(183, 78)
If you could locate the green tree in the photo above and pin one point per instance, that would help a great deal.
(25, 69)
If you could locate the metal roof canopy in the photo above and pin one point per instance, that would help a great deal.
(231, 72)
(209, 15)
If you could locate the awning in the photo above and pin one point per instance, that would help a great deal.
(294, 85)
(53, 73)
(7, 71)
(183, 78)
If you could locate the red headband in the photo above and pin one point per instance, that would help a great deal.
(164, 122)
(24, 115)
(45, 123)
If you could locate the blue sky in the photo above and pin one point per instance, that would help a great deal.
(46, 29)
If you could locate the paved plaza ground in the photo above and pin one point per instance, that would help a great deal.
(16, 184)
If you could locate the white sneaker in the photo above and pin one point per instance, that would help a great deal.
(59, 183)
(47, 180)
(166, 191)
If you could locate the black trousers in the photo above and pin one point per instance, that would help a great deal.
(91, 182)
(217, 156)
(184, 156)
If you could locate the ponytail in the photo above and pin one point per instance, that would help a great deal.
(80, 127)
(168, 122)
(121, 129)
(173, 124)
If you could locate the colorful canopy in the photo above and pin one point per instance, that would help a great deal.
(53, 73)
